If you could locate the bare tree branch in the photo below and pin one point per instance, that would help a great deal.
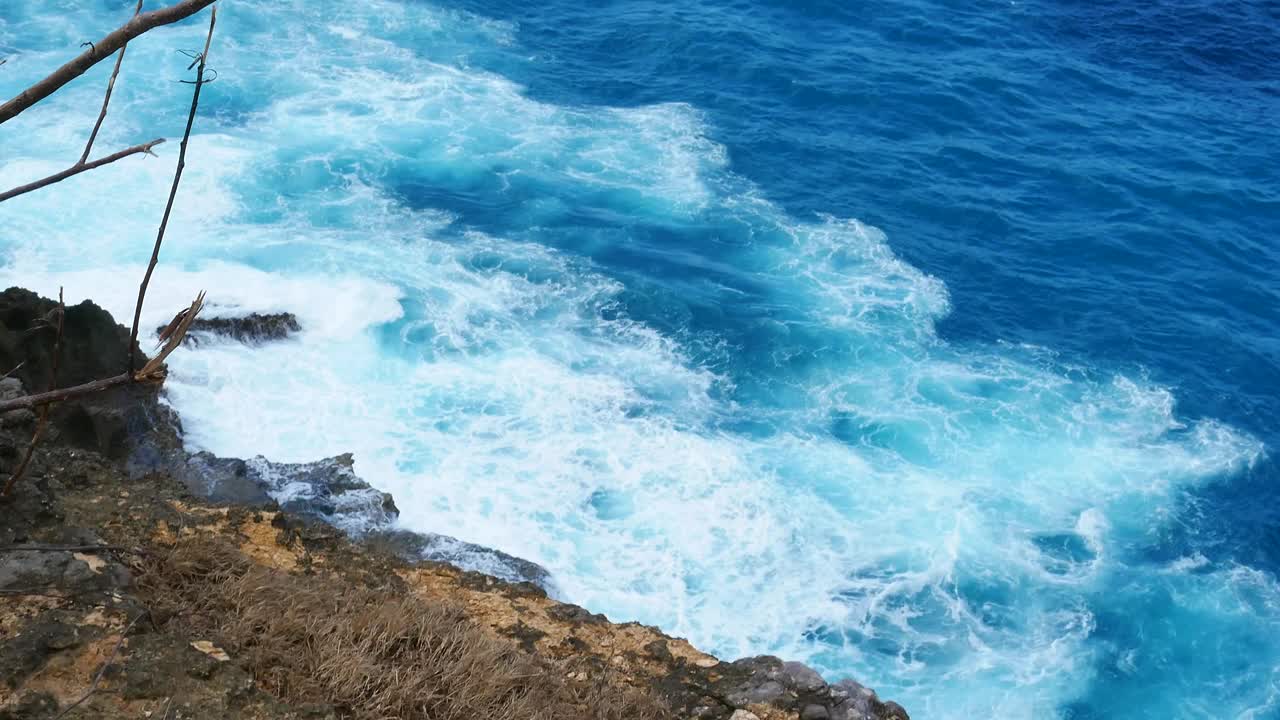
(27, 402)
(79, 168)
(173, 191)
(106, 100)
(98, 52)
(43, 421)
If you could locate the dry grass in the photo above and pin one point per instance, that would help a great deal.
(372, 654)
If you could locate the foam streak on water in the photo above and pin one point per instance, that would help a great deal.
(811, 472)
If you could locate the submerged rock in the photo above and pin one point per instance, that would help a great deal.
(252, 329)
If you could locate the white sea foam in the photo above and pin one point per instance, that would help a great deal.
(937, 520)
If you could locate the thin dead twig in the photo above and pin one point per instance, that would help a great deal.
(98, 52)
(13, 370)
(43, 421)
(173, 191)
(79, 168)
(72, 548)
(106, 100)
(98, 678)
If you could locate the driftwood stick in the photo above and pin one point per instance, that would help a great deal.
(173, 191)
(79, 168)
(27, 402)
(98, 52)
(43, 421)
(106, 100)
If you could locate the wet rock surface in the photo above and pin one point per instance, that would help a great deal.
(767, 688)
(326, 490)
(329, 491)
(414, 546)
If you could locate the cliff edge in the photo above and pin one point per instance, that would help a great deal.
(140, 580)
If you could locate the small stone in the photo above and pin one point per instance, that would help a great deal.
(766, 691)
(802, 677)
(17, 418)
(743, 715)
(815, 712)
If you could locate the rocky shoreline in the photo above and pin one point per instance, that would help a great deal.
(112, 489)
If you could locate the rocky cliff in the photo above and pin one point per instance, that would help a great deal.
(140, 580)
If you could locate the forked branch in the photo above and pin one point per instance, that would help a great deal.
(106, 100)
(98, 52)
(79, 168)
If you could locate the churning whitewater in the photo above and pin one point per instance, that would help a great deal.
(577, 334)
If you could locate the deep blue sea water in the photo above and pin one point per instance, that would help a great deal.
(933, 343)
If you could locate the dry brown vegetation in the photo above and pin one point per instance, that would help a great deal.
(374, 653)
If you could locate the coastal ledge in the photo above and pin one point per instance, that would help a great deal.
(116, 522)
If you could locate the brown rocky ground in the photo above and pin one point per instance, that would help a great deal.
(123, 592)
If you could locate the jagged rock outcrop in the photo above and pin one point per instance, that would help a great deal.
(253, 328)
(768, 682)
(93, 347)
(329, 491)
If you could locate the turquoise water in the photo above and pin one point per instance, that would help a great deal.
(931, 343)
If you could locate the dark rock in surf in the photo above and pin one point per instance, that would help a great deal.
(251, 329)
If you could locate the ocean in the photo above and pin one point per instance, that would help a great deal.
(933, 343)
